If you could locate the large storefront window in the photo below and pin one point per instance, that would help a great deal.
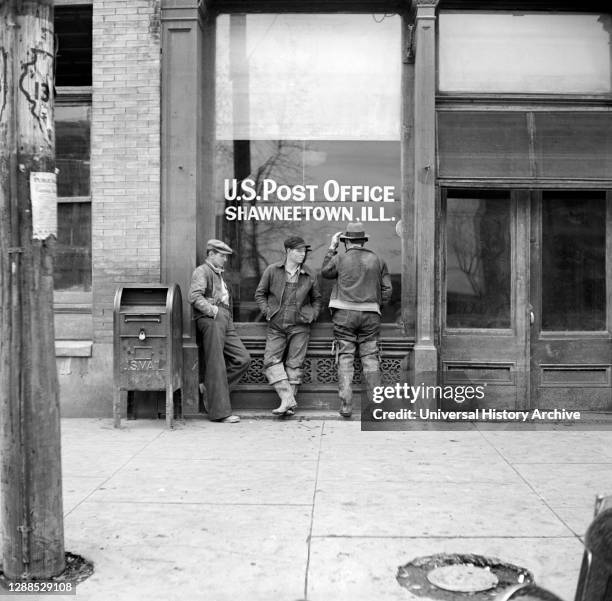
(525, 52)
(308, 110)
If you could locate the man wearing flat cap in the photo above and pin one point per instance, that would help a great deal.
(288, 295)
(225, 357)
(362, 286)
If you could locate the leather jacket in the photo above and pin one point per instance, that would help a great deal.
(361, 276)
(205, 291)
(269, 293)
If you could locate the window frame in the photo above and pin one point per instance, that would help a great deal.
(513, 204)
(322, 330)
(520, 102)
(543, 99)
(73, 2)
(80, 301)
(73, 301)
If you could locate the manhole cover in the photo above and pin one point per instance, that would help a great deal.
(464, 578)
(454, 576)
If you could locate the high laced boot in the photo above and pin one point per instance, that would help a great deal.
(372, 380)
(294, 389)
(345, 392)
(284, 391)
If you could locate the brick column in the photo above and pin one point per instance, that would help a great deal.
(125, 151)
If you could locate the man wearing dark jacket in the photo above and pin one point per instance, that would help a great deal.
(288, 295)
(225, 356)
(362, 287)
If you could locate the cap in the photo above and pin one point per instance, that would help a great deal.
(219, 246)
(296, 242)
(354, 231)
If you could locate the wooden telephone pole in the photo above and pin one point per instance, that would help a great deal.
(30, 465)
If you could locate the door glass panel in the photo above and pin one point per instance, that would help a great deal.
(478, 259)
(529, 52)
(574, 261)
(306, 104)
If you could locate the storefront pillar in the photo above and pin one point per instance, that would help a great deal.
(407, 231)
(425, 351)
(187, 145)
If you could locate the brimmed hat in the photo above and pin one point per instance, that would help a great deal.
(354, 231)
(296, 242)
(219, 246)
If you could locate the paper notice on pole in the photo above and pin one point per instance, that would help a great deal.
(43, 193)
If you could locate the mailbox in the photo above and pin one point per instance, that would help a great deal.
(148, 350)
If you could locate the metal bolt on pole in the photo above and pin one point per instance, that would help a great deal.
(32, 543)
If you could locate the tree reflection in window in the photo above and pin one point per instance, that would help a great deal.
(478, 265)
(310, 162)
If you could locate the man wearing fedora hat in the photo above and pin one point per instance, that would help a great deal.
(225, 357)
(362, 286)
(288, 295)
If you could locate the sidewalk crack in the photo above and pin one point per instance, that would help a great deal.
(132, 457)
(314, 495)
(512, 466)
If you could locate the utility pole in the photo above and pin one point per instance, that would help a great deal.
(30, 459)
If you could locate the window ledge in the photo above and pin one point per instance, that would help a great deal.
(68, 308)
(543, 101)
(73, 348)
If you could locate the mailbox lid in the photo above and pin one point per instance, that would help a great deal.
(140, 307)
(144, 296)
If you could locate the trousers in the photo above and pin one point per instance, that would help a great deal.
(352, 330)
(225, 361)
(286, 347)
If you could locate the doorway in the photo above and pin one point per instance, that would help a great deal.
(525, 296)
(571, 346)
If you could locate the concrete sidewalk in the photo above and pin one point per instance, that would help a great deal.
(316, 509)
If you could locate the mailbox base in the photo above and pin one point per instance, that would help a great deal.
(123, 402)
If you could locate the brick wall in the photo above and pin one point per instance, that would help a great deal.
(125, 151)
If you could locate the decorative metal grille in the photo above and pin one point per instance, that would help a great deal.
(321, 370)
(391, 370)
(255, 373)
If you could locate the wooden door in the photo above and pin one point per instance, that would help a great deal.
(484, 295)
(571, 343)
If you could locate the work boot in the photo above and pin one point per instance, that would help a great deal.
(372, 379)
(283, 389)
(345, 392)
(294, 389)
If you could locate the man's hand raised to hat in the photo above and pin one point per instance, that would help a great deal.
(335, 241)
